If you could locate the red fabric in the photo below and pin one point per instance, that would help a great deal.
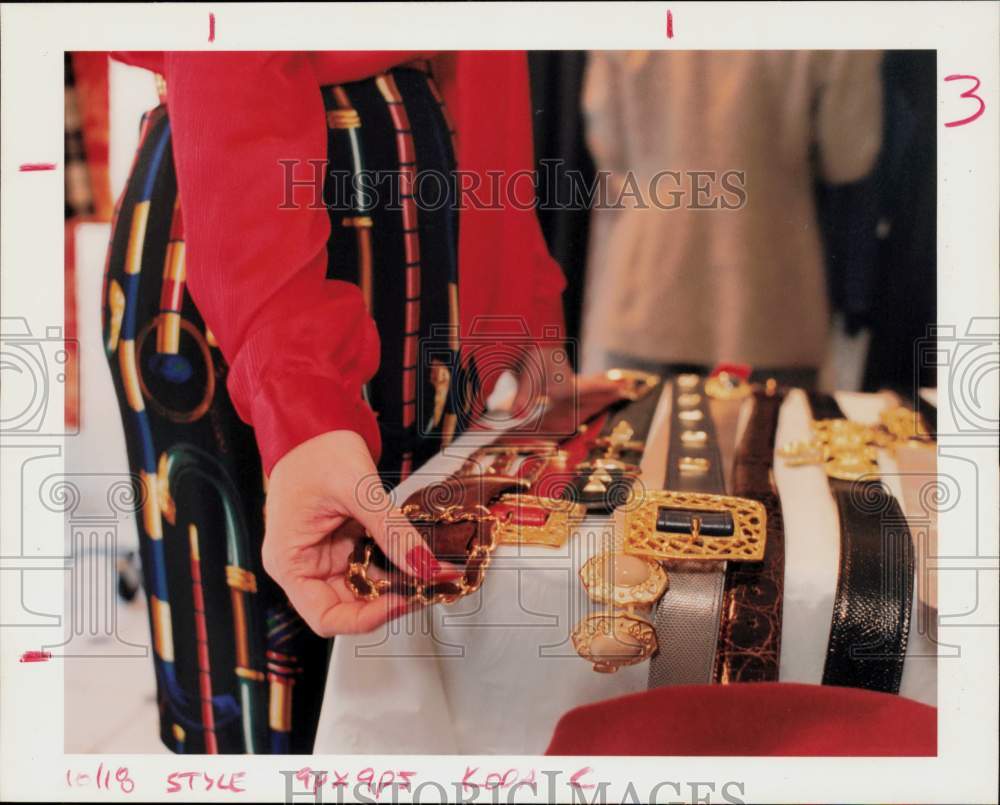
(71, 399)
(756, 719)
(90, 74)
(300, 347)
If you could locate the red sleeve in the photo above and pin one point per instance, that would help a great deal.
(300, 347)
(506, 266)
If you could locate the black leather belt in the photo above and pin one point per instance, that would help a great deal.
(603, 481)
(686, 619)
(871, 611)
(749, 647)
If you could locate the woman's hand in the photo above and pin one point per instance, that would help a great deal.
(314, 489)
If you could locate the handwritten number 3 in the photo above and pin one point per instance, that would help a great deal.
(969, 93)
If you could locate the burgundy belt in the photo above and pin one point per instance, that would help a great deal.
(749, 647)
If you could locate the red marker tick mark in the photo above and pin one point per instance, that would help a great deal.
(35, 656)
(670, 24)
(37, 166)
(211, 27)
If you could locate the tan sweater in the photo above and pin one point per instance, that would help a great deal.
(707, 285)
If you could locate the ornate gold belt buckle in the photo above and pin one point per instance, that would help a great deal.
(846, 450)
(532, 520)
(687, 526)
(851, 464)
(613, 640)
(902, 426)
(618, 636)
(623, 580)
(478, 553)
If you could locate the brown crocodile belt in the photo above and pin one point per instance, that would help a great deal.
(749, 646)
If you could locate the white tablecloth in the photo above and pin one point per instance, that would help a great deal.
(493, 673)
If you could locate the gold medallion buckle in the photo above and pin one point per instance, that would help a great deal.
(623, 580)
(746, 544)
(613, 640)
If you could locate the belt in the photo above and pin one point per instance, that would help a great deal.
(692, 530)
(686, 619)
(496, 497)
(603, 480)
(913, 427)
(454, 517)
(749, 646)
(592, 430)
(871, 611)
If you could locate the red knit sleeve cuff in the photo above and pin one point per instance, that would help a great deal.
(291, 408)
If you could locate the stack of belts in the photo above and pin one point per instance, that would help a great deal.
(720, 619)
(716, 530)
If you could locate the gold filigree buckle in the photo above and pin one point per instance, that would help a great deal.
(746, 544)
(636, 383)
(531, 520)
(613, 640)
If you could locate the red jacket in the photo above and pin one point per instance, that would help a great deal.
(299, 346)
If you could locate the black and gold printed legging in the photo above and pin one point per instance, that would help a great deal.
(237, 670)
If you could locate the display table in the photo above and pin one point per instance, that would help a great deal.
(493, 673)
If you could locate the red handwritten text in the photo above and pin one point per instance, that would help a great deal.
(203, 781)
(103, 779)
(971, 95)
(369, 779)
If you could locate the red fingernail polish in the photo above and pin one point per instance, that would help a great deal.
(422, 562)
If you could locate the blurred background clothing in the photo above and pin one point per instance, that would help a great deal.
(700, 283)
(903, 309)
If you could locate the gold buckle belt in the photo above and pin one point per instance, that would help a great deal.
(847, 450)
(621, 636)
(643, 537)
